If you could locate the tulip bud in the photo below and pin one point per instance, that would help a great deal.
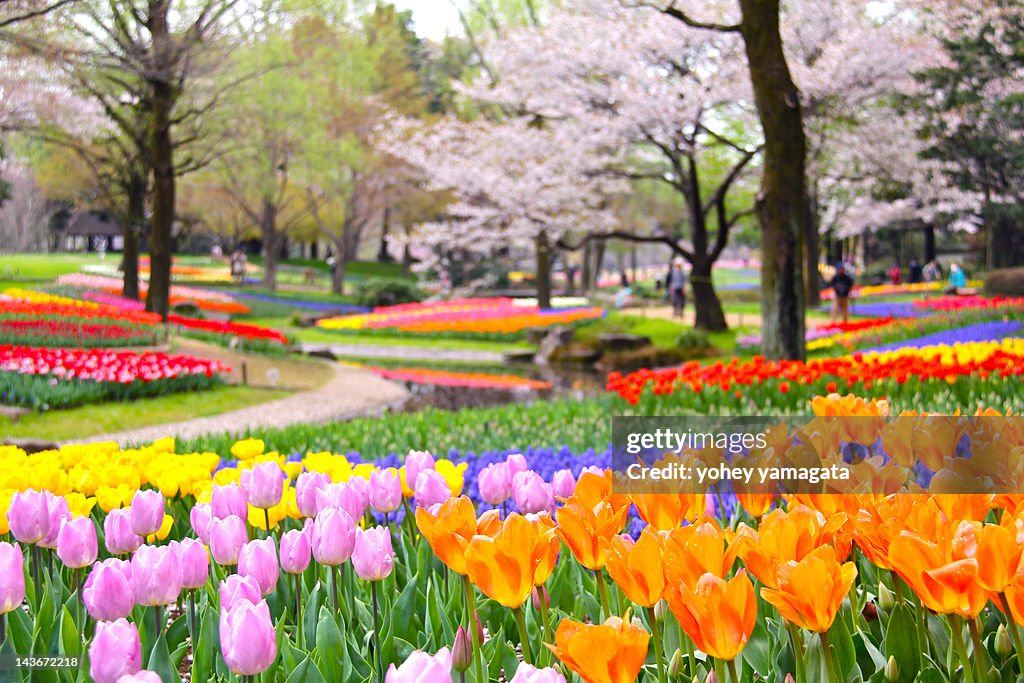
(1002, 644)
(789, 678)
(712, 677)
(479, 627)
(115, 651)
(146, 513)
(462, 651)
(892, 670)
(660, 608)
(263, 484)
(675, 665)
(886, 599)
(541, 593)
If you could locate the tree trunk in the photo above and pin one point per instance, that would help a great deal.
(708, 307)
(543, 248)
(162, 97)
(812, 255)
(585, 268)
(133, 222)
(929, 242)
(272, 242)
(338, 273)
(385, 238)
(595, 268)
(782, 207)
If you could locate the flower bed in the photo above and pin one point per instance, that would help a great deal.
(58, 332)
(60, 378)
(448, 378)
(205, 299)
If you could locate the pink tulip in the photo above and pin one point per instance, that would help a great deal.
(306, 487)
(295, 551)
(516, 463)
(385, 490)
(341, 497)
(247, 639)
(593, 469)
(531, 493)
(12, 577)
(258, 559)
(115, 651)
(118, 534)
(563, 483)
(29, 516)
(373, 557)
(227, 536)
(109, 593)
(195, 564)
(147, 512)
(58, 511)
(263, 484)
(422, 668)
(531, 674)
(334, 537)
(416, 462)
(235, 589)
(200, 517)
(143, 676)
(361, 489)
(495, 483)
(229, 501)
(431, 489)
(76, 543)
(156, 573)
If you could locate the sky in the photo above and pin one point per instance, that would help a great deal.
(433, 18)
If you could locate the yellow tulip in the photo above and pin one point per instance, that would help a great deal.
(163, 531)
(247, 448)
(79, 505)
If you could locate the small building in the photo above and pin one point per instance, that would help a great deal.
(87, 230)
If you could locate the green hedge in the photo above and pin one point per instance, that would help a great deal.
(42, 392)
(1005, 282)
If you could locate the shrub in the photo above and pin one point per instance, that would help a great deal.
(1005, 281)
(387, 292)
(693, 339)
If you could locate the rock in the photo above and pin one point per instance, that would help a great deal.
(323, 352)
(580, 355)
(13, 413)
(31, 445)
(613, 341)
(517, 357)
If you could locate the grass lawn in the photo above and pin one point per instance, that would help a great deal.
(38, 267)
(62, 425)
(294, 372)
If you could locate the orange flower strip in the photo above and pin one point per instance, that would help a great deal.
(808, 593)
(504, 566)
(718, 615)
(638, 568)
(612, 652)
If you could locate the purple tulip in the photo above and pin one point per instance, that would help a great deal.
(373, 557)
(195, 564)
(516, 463)
(12, 577)
(531, 493)
(423, 668)
(115, 651)
(147, 512)
(431, 488)
(563, 483)
(57, 507)
(334, 537)
(263, 484)
(156, 573)
(143, 676)
(109, 593)
(118, 534)
(258, 559)
(495, 483)
(295, 551)
(306, 487)
(416, 462)
(385, 490)
(248, 642)
(229, 501)
(235, 589)
(531, 674)
(200, 517)
(28, 515)
(341, 497)
(76, 543)
(227, 536)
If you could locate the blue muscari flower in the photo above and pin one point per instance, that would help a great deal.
(979, 332)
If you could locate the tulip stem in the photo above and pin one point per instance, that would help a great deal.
(830, 662)
(192, 616)
(298, 609)
(376, 627)
(659, 656)
(602, 590)
(1014, 631)
(798, 649)
(731, 665)
(334, 588)
(545, 618)
(957, 637)
(3, 627)
(36, 560)
(266, 518)
(980, 654)
(478, 668)
(523, 636)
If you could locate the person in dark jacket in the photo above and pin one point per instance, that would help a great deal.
(842, 286)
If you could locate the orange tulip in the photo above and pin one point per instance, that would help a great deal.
(449, 531)
(719, 615)
(666, 511)
(591, 516)
(1015, 599)
(809, 592)
(997, 551)
(638, 568)
(546, 550)
(692, 551)
(504, 566)
(612, 652)
(756, 504)
(592, 489)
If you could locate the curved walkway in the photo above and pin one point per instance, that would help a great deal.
(402, 352)
(352, 392)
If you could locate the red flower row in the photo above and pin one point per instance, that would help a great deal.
(61, 329)
(959, 303)
(236, 329)
(123, 367)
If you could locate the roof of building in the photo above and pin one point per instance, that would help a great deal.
(93, 223)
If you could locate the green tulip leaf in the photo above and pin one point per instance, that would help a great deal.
(306, 672)
(901, 641)
(330, 646)
(204, 655)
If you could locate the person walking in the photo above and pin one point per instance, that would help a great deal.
(677, 288)
(842, 286)
(915, 275)
(957, 279)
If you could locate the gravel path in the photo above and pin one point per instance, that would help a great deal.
(352, 392)
(398, 351)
